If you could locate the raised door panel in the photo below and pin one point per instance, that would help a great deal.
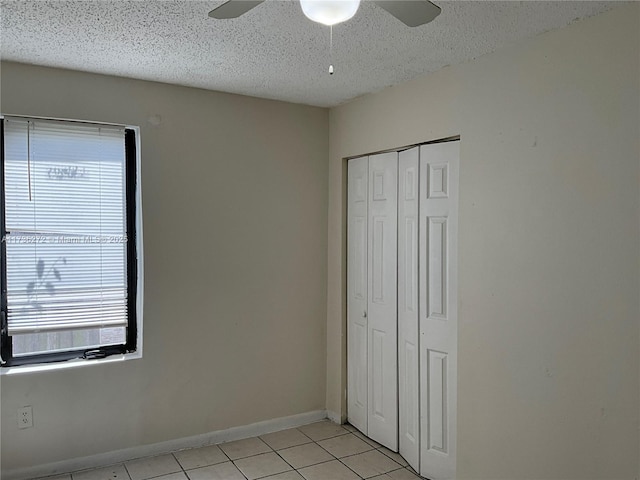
(382, 293)
(357, 292)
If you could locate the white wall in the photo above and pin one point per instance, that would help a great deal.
(549, 253)
(234, 205)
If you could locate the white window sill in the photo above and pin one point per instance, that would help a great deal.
(75, 363)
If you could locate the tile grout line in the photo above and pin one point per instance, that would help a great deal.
(293, 446)
(211, 465)
(125, 469)
(357, 474)
(366, 451)
(346, 431)
(311, 441)
(270, 475)
(311, 465)
(284, 460)
(337, 458)
(173, 454)
(297, 470)
(233, 462)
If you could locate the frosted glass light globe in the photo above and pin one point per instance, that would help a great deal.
(329, 12)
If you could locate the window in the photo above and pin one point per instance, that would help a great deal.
(68, 217)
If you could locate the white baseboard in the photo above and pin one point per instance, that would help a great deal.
(119, 456)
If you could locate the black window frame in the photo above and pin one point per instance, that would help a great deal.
(131, 209)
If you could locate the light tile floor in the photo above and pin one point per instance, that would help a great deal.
(319, 451)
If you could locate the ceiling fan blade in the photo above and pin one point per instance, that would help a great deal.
(233, 8)
(412, 13)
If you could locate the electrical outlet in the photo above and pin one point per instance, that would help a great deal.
(25, 417)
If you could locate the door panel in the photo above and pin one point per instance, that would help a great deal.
(437, 265)
(357, 286)
(378, 379)
(382, 310)
(437, 401)
(438, 308)
(408, 331)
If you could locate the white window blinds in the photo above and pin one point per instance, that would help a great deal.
(65, 216)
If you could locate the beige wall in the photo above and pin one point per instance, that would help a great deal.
(549, 245)
(234, 205)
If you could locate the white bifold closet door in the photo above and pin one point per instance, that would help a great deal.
(372, 331)
(438, 266)
(408, 327)
(383, 305)
(402, 303)
(427, 307)
(357, 285)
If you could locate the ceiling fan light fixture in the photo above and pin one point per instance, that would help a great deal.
(329, 12)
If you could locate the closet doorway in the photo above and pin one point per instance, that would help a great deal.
(402, 232)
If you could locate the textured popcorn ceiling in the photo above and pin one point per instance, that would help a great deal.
(273, 51)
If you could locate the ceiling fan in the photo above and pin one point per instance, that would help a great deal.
(412, 13)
